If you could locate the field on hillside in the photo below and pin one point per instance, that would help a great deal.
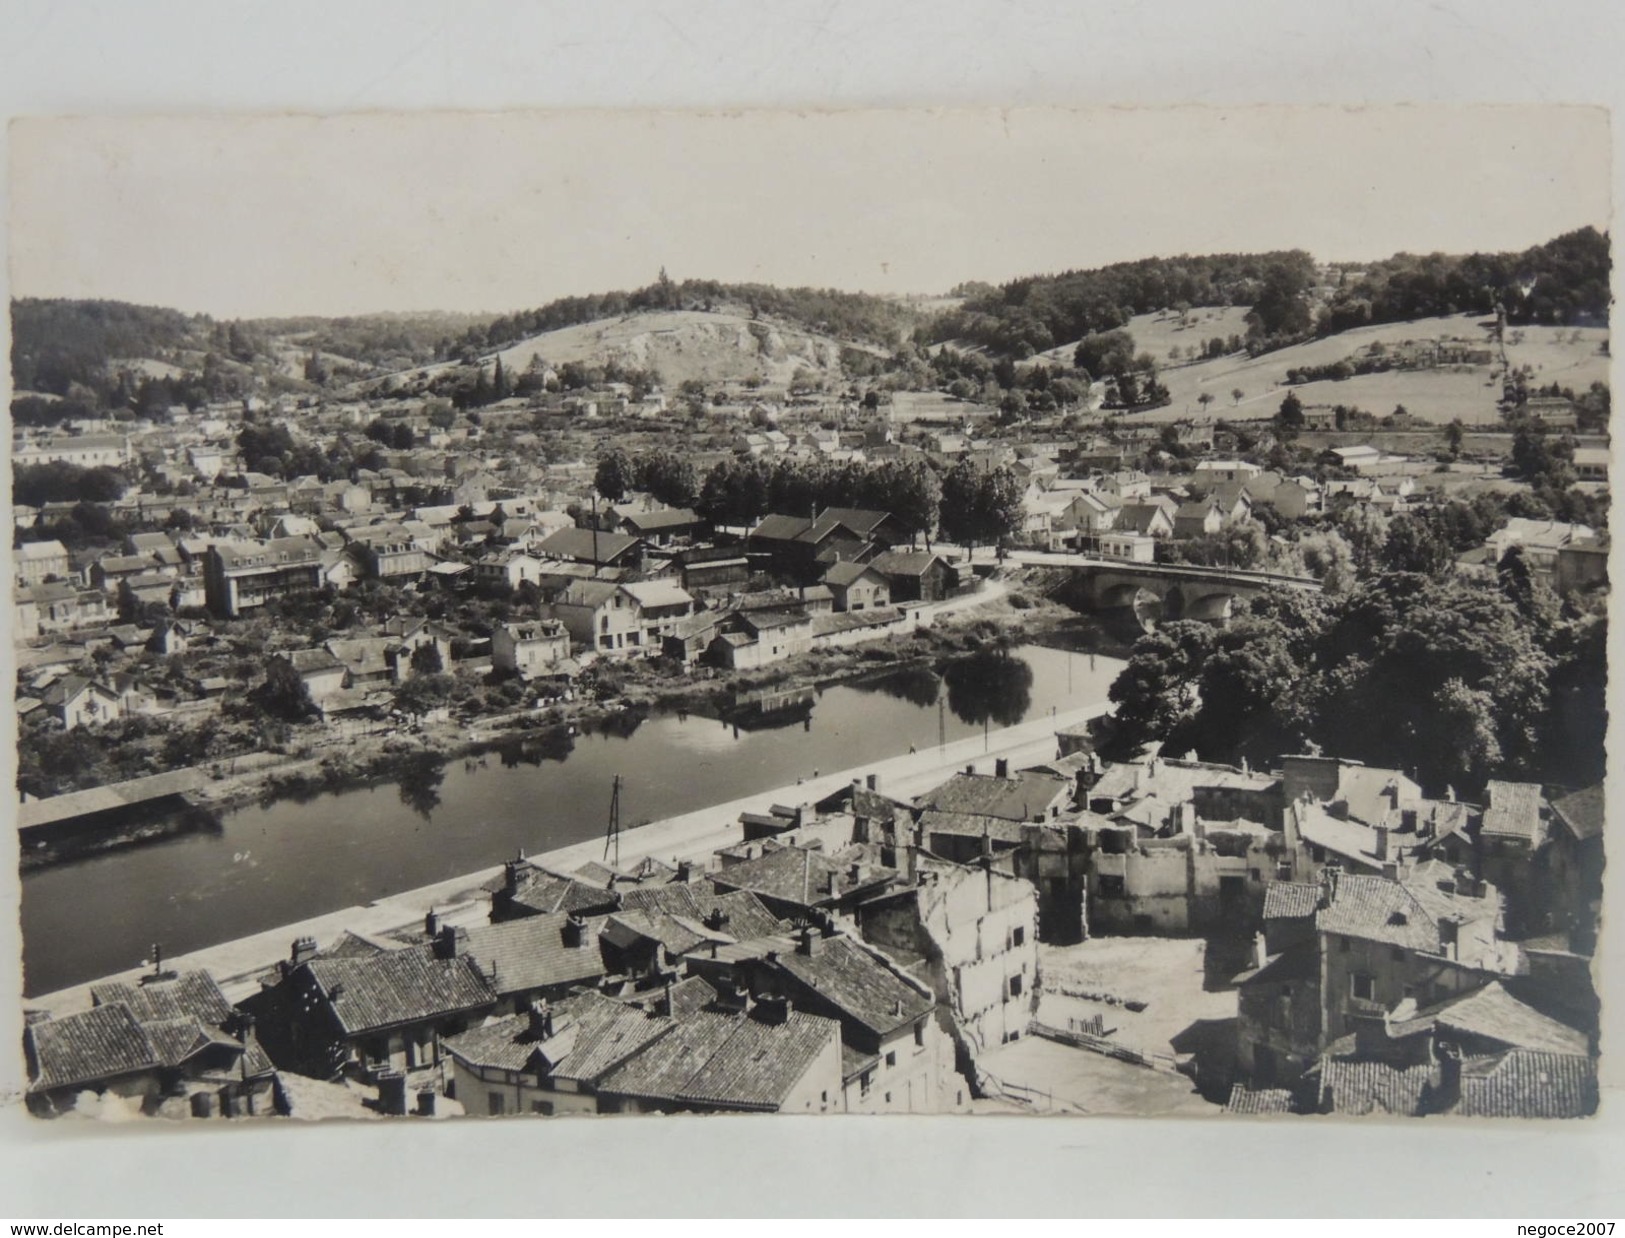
(688, 344)
(1438, 395)
(1557, 359)
(920, 405)
(1160, 333)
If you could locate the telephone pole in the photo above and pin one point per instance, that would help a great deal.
(613, 837)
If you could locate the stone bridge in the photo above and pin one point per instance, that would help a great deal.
(1166, 591)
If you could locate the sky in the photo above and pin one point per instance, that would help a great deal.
(272, 216)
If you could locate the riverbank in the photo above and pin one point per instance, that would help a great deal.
(692, 836)
(352, 755)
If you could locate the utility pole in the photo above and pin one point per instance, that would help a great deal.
(614, 835)
(594, 493)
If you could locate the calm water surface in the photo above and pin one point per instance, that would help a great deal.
(289, 861)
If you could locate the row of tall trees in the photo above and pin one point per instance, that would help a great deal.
(741, 490)
(970, 504)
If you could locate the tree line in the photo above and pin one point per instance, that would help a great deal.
(1456, 681)
(970, 504)
(1037, 313)
(846, 315)
(1564, 281)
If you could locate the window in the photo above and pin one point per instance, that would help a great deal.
(888, 1098)
(864, 1081)
(1257, 876)
(543, 1107)
(1399, 954)
(891, 1059)
(1342, 945)
(1015, 986)
(494, 1101)
(1018, 936)
(1111, 885)
(919, 1034)
(1362, 986)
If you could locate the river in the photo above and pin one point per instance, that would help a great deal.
(289, 861)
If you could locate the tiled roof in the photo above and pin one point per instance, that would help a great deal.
(1582, 812)
(1290, 900)
(796, 875)
(904, 563)
(400, 986)
(608, 1032)
(1173, 781)
(1351, 840)
(855, 982)
(499, 1044)
(758, 1066)
(745, 915)
(665, 518)
(1376, 909)
(1522, 1083)
(575, 543)
(970, 825)
(530, 953)
(1366, 791)
(1512, 810)
(846, 572)
(662, 1070)
(192, 994)
(726, 1061)
(781, 528)
(627, 928)
(1244, 1099)
(1358, 1087)
(101, 1043)
(278, 552)
(543, 892)
(311, 661)
(656, 593)
(857, 520)
(1494, 1014)
(1025, 796)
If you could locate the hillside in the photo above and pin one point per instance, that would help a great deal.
(855, 317)
(1563, 282)
(1469, 393)
(683, 345)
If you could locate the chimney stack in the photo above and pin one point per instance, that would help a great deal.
(1449, 1093)
(304, 949)
(540, 1016)
(970, 771)
(431, 924)
(1382, 842)
(874, 782)
(808, 941)
(575, 933)
(445, 942)
(772, 1009)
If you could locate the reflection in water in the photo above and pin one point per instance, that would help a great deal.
(420, 783)
(270, 866)
(993, 687)
(553, 744)
(622, 724)
(918, 685)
